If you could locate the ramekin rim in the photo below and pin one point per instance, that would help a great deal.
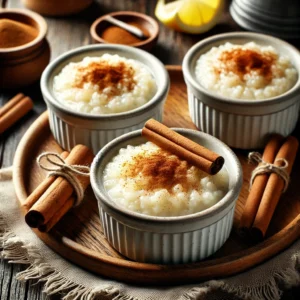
(230, 196)
(223, 36)
(159, 96)
(40, 21)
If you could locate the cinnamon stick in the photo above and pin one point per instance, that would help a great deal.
(205, 159)
(259, 184)
(14, 110)
(41, 189)
(60, 190)
(274, 188)
(10, 104)
(57, 216)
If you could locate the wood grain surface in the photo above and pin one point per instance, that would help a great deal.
(65, 34)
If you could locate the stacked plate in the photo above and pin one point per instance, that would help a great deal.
(274, 17)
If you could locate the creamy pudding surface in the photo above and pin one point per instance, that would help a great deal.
(104, 85)
(249, 71)
(149, 180)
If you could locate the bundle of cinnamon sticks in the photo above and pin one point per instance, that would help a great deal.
(54, 197)
(267, 188)
(197, 155)
(14, 110)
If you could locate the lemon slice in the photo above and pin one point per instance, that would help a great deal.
(166, 13)
(191, 16)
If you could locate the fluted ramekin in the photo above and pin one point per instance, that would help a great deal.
(166, 240)
(242, 124)
(70, 127)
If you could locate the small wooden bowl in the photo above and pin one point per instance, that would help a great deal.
(57, 7)
(144, 21)
(23, 65)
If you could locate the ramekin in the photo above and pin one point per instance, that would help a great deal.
(71, 127)
(244, 124)
(166, 240)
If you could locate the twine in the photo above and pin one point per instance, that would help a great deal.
(63, 169)
(267, 168)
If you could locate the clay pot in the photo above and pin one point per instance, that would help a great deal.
(23, 65)
(57, 7)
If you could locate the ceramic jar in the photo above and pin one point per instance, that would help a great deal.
(57, 7)
(22, 65)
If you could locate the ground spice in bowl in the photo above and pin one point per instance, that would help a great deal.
(14, 33)
(117, 35)
(102, 31)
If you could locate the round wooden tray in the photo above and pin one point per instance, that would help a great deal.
(79, 236)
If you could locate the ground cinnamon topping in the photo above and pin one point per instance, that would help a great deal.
(158, 170)
(117, 35)
(117, 77)
(244, 61)
(14, 33)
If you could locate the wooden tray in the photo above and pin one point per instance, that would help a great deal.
(79, 236)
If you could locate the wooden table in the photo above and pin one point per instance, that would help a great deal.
(65, 34)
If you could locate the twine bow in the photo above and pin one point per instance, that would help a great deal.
(267, 168)
(63, 169)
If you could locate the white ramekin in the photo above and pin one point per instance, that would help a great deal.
(167, 240)
(242, 124)
(71, 128)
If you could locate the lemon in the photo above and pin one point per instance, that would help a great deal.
(191, 16)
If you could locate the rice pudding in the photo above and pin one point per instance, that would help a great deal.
(104, 85)
(249, 71)
(149, 180)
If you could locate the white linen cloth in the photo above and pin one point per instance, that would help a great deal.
(19, 244)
